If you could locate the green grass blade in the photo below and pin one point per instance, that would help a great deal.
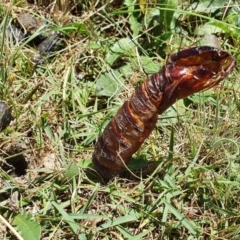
(182, 219)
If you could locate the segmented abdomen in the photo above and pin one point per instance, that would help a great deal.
(131, 125)
(185, 73)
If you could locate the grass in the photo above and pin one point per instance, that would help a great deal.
(186, 174)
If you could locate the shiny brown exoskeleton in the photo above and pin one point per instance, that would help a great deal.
(186, 72)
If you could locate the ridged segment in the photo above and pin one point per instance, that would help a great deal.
(185, 73)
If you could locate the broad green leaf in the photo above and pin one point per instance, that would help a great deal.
(127, 70)
(134, 24)
(109, 84)
(209, 6)
(72, 170)
(137, 164)
(207, 29)
(149, 66)
(28, 228)
(152, 17)
(124, 46)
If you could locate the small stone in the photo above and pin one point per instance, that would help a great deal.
(5, 115)
(30, 25)
(29, 22)
(50, 44)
